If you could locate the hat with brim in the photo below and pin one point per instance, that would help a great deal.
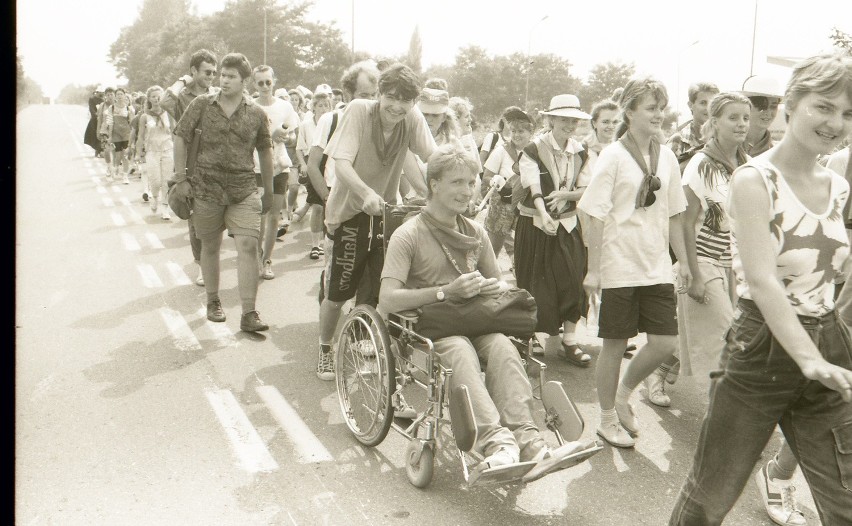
(433, 101)
(323, 89)
(281, 93)
(762, 86)
(566, 106)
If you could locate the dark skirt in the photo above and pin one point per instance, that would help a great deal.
(552, 269)
(91, 135)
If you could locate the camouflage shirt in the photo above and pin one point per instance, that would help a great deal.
(225, 165)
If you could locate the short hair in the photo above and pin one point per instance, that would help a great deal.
(436, 83)
(140, 99)
(447, 158)
(320, 97)
(121, 90)
(401, 79)
(202, 55)
(109, 89)
(635, 90)
(505, 116)
(263, 68)
(717, 105)
(349, 80)
(239, 62)
(336, 92)
(599, 107)
(824, 74)
(701, 87)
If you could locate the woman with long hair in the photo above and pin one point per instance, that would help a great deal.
(155, 148)
(788, 356)
(635, 202)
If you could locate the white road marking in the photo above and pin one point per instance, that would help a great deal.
(246, 443)
(149, 276)
(308, 447)
(123, 200)
(130, 242)
(155, 242)
(96, 180)
(179, 277)
(92, 171)
(223, 336)
(117, 219)
(135, 217)
(116, 189)
(183, 337)
(107, 201)
(100, 189)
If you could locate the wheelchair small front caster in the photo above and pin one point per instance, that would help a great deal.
(419, 463)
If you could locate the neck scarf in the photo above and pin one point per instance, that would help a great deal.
(761, 146)
(459, 245)
(629, 142)
(386, 150)
(161, 117)
(713, 151)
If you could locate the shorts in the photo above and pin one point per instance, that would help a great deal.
(241, 219)
(355, 246)
(313, 198)
(627, 311)
(279, 182)
(120, 145)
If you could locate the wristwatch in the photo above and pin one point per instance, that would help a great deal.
(440, 294)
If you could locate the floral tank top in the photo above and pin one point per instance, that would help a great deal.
(810, 249)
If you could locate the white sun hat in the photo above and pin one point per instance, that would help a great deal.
(566, 106)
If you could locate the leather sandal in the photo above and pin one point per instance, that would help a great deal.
(574, 355)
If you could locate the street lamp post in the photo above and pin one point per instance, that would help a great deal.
(529, 63)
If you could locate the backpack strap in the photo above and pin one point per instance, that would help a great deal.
(324, 158)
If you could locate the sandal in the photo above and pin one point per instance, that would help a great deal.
(574, 355)
(298, 215)
(315, 253)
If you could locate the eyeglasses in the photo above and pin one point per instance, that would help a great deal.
(762, 103)
(208, 72)
(653, 185)
(264, 82)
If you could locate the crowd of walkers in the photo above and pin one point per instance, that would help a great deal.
(739, 278)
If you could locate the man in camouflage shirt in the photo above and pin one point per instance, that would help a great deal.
(687, 140)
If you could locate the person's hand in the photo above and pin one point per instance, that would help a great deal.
(186, 79)
(684, 278)
(698, 291)
(303, 169)
(592, 283)
(323, 192)
(556, 200)
(549, 225)
(497, 181)
(279, 135)
(373, 205)
(492, 287)
(265, 202)
(465, 286)
(830, 375)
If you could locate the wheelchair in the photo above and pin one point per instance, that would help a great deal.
(376, 358)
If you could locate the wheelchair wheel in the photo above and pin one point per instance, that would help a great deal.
(419, 470)
(365, 375)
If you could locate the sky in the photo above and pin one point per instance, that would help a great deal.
(674, 41)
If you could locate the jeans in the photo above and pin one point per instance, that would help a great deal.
(758, 387)
(502, 404)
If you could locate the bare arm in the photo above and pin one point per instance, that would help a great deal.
(415, 177)
(690, 218)
(394, 297)
(314, 173)
(749, 204)
(180, 158)
(140, 141)
(594, 237)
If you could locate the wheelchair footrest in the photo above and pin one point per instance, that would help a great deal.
(500, 474)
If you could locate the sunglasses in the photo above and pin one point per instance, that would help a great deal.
(761, 103)
(264, 83)
(653, 185)
(208, 72)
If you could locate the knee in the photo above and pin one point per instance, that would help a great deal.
(245, 244)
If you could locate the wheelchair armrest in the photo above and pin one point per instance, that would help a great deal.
(410, 316)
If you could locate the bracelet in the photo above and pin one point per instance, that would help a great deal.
(536, 196)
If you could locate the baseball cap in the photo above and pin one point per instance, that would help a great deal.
(433, 101)
(323, 89)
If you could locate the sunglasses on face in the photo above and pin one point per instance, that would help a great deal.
(264, 82)
(654, 185)
(763, 103)
(209, 72)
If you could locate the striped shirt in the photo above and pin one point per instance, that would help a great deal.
(709, 182)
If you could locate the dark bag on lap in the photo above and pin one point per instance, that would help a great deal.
(513, 313)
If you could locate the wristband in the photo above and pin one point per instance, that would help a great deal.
(536, 196)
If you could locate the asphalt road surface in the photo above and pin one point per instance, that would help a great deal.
(133, 409)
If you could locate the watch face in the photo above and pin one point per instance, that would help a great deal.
(440, 295)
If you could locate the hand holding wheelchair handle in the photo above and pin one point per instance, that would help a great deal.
(373, 204)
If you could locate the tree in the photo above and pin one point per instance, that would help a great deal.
(415, 52)
(603, 80)
(27, 90)
(842, 41)
(76, 94)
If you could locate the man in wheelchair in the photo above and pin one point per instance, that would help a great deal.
(440, 255)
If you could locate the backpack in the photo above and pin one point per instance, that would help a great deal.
(523, 195)
(494, 137)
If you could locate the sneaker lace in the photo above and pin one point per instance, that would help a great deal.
(788, 500)
(326, 362)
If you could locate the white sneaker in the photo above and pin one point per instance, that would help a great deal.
(166, 215)
(616, 435)
(155, 203)
(627, 417)
(126, 180)
(502, 457)
(267, 273)
(325, 365)
(778, 499)
(655, 384)
(199, 279)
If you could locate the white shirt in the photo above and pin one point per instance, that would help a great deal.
(323, 127)
(281, 114)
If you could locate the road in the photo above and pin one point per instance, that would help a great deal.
(133, 409)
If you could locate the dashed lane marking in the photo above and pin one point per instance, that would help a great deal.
(149, 276)
(183, 337)
(223, 336)
(245, 441)
(118, 220)
(107, 201)
(179, 277)
(308, 447)
(100, 189)
(125, 201)
(130, 242)
(155, 242)
(96, 180)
